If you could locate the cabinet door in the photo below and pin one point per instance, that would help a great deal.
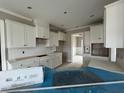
(42, 32)
(55, 60)
(44, 61)
(46, 33)
(64, 36)
(97, 34)
(53, 40)
(30, 33)
(100, 33)
(114, 25)
(39, 32)
(52, 62)
(94, 34)
(59, 59)
(61, 36)
(87, 38)
(15, 34)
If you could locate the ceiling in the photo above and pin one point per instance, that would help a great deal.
(79, 12)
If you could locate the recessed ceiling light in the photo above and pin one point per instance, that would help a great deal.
(29, 7)
(91, 15)
(65, 12)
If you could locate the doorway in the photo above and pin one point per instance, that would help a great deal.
(77, 48)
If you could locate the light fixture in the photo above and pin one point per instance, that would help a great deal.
(29, 7)
(65, 12)
(91, 15)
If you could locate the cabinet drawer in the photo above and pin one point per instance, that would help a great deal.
(25, 63)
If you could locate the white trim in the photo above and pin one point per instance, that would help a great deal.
(3, 46)
(65, 86)
(15, 14)
(77, 28)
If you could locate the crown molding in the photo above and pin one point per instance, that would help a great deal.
(77, 28)
(15, 14)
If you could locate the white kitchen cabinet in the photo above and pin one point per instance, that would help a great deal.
(26, 63)
(30, 40)
(19, 35)
(44, 61)
(42, 32)
(53, 40)
(59, 59)
(114, 25)
(97, 34)
(15, 34)
(61, 36)
(52, 60)
(86, 38)
(55, 59)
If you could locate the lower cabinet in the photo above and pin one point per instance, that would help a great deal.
(53, 60)
(44, 61)
(27, 63)
(53, 39)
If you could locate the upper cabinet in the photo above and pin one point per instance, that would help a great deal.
(86, 36)
(114, 25)
(30, 36)
(61, 36)
(97, 34)
(19, 35)
(42, 32)
(53, 39)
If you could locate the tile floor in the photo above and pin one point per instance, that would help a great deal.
(101, 64)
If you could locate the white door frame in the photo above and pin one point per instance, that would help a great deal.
(72, 49)
(3, 45)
